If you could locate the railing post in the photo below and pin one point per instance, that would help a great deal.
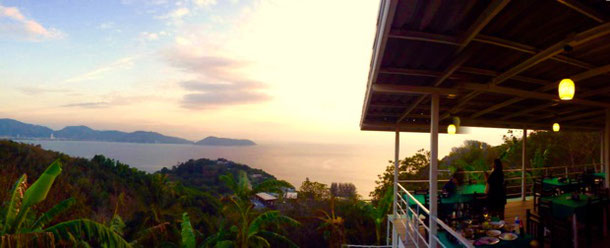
(607, 149)
(396, 195)
(433, 168)
(523, 161)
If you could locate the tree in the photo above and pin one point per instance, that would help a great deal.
(379, 213)
(332, 226)
(313, 190)
(18, 229)
(252, 228)
(414, 167)
(346, 190)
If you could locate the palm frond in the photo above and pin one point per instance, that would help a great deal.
(116, 224)
(229, 181)
(260, 240)
(188, 236)
(150, 232)
(225, 244)
(278, 237)
(84, 229)
(269, 217)
(14, 203)
(47, 217)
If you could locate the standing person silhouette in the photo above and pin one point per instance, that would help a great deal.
(496, 193)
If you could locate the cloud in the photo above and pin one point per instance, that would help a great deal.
(87, 105)
(205, 3)
(14, 23)
(121, 64)
(38, 90)
(218, 81)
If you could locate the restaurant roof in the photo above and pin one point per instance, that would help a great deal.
(494, 64)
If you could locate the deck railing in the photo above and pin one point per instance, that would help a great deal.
(410, 219)
(514, 182)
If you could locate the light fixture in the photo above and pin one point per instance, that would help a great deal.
(556, 127)
(451, 129)
(566, 89)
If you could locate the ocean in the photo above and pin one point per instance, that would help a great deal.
(357, 164)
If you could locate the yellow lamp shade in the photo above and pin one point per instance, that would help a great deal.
(556, 127)
(451, 129)
(566, 89)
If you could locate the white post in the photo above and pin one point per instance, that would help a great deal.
(523, 161)
(607, 148)
(433, 169)
(602, 160)
(395, 209)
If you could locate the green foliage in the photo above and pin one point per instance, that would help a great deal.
(313, 190)
(188, 235)
(84, 229)
(47, 217)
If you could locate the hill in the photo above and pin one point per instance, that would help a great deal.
(203, 173)
(103, 186)
(215, 141)
(13, 128)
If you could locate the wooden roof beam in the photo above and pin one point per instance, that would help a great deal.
(583, 9)
(394, 88)
(450, 40)
(527, 94)
(577, 77)
(488, 14)
(572, 40)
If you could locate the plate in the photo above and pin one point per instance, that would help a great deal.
(487, 241)
(508, 236)
(511, 227)
(493, 233)
(497, 224)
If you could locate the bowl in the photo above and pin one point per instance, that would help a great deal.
(487, 241)
(508, 236)
(493, 233)
(497, 224)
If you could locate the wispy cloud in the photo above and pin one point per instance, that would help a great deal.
(38, 90)
(14, 23)
(87, 105)
(218, 81)
(121, 64)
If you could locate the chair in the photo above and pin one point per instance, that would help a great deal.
(561, 233)
(534, 227)
(537, 192)
(592, 218)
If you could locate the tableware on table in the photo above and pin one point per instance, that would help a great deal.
(487, 241)
(493, 233)
(497, 224)
(511, 227)
(508, 236)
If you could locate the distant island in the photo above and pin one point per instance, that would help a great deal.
(215, 141)
(14, 129)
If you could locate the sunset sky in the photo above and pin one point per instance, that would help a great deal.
(271, 71)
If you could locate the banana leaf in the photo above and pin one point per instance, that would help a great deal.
(39, 189)
(188, 236)
(87, 230)
(14, 203)
(47, 217)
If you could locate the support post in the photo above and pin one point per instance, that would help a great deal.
(433, 168)
(607, 148)
(523, 161)
(602, 160)
(395, 208)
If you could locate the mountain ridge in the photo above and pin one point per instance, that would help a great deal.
(19, 130)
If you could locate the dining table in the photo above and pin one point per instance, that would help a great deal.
(555, 182)
(521, 241)
(463, 194)
(564, 206)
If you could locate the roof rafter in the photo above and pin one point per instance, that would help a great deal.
(488, 14)
(583, 9)
(572, 40)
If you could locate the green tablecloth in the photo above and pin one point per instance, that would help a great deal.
(522, 241)
(420, 198)
(600, 175)
(471, 189)
(463, 194)
(564, 206)
(550, 183)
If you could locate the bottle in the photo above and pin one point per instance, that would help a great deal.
(517, 225)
